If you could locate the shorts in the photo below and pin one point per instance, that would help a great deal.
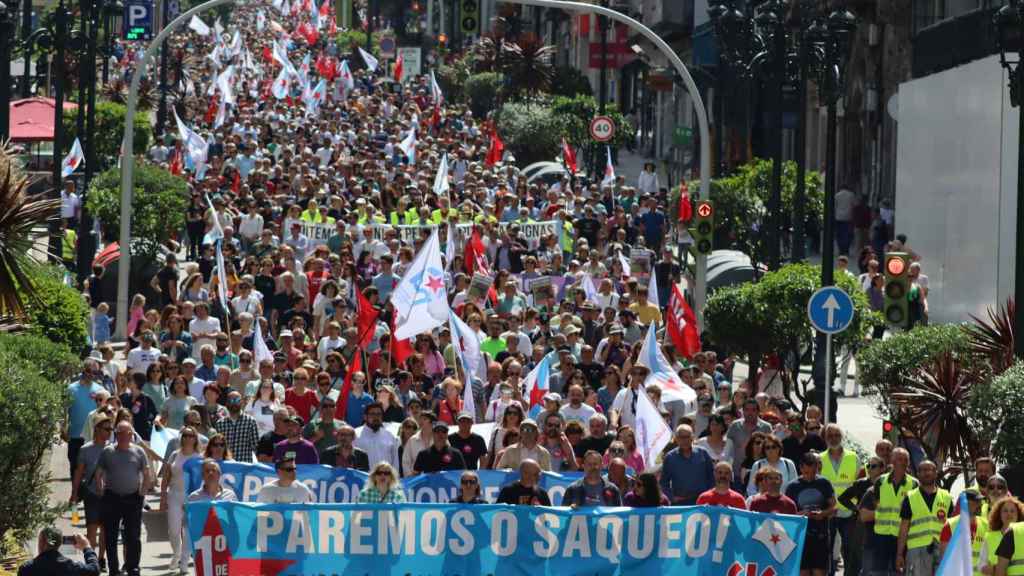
(816, 554)
(92, 508)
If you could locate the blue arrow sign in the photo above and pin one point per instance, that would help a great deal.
(830, 310)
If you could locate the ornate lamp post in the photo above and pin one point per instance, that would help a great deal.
(1009, 22)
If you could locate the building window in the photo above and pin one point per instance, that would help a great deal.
(930, 12)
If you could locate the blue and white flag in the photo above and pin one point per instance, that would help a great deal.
(260, 350)
(222, 276)
(652, 433)
(661, 372)
(959, 560)
(535, 385)
(73, 160)
(466, 343)
(408, 146)
(441, 179)
(421, 299)
(215, 233)
(195, 145)
(198, 26)
(652, 291)
(371, 62)
(282, 84)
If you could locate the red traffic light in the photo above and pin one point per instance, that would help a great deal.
(887, 427)
(705, 209)
(895, 266)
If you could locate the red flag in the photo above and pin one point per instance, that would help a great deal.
(332, 29)
(681, 324)
(398, 68)
(268, 55)
(435, 118)
(497, 149)
(211, 110)
(474, 258)
(236, 182)
(175, 166)
(685, 206)
(367, 320)
(346, 387)
(400, 349)
(569, 156)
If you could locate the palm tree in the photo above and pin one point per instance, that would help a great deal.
(528, 64)
(23, 222)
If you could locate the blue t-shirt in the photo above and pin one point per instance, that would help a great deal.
(82, 403)
(355, 408)
(384, 283)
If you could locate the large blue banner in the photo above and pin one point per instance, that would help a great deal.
(340, 485)
(241, 539)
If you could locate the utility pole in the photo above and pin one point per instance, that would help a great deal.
(59, 38)
(161, 112)
(6, 39)
(26, 30)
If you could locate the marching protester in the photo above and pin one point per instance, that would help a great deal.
(286, 489)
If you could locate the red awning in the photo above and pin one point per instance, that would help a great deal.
(32, 119)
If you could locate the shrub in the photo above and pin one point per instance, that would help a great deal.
(158, 205)
(526, 130)
(110, 118)
(573, 115)
(33, 402)
(570, 82)
(1001, 402)
(884, 365)
(482, 91)
(58, 312)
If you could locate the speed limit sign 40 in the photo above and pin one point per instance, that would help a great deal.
(602, 128)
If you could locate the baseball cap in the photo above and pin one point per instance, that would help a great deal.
(439, 425)
(616, 329)
(464, 414)
(285, 458)
(188, 361)
(285, 334)
(553, 397)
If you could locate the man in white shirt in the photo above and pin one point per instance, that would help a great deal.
(140, 358)
(70, 203)
(379, 444)
(418, 443)
(203, 328)
(845, 201)
(576, 409)
(285, 490)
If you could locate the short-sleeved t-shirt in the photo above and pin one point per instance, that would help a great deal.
(780, 504)
(906, 513)
(811, 495)
(82, 403)
(89, 455)
(731, 499)
(472, 448)
(123, 469)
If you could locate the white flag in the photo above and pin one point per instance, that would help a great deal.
(661, 372)
(281, 84)
(345, 76)
(652, 433)
(467, 349)
(435, 90)
(441, 179)
(280, 55)
(652, 291)
(216, 233)
(218, 28)
(587, 283)
(371, 62)
(609, 170)
(408, 146)
(260, 351)
(222, 276)
(449, 247)
(198, 26)
(225, 82)
(420, 299)
(261, 20)
(958, 559)
(73, 160)
(194, 143)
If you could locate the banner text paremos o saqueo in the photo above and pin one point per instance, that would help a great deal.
(448, 539)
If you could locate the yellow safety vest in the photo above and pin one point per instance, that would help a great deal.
(67, 246)
(980, 535)
(1016, 567)
(926, 524)
(311, 217)
(437, 216)
(887, 513)
(993, 538)
(844, 477)
(567, 239)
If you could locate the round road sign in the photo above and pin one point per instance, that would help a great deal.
(602, 128)
(704, 209)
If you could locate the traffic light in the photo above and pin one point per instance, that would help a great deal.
(897, 286)
(703, 229)
(889, 430)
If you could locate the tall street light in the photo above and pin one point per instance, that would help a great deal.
(6, 40)
(1009, 23)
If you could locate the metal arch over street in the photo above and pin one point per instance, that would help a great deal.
(700, 290)
(128, 161)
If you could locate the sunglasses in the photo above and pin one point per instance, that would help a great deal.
(468, 482)
(874, 466)
(382, 473)
(288, 468)
(218, 444)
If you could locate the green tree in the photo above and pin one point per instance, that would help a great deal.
(482, 91)
(570, 82)
(770, 317)
(33, 402)
(56, 310)
(573, 116)
(158, 205)
(997, 411)
(526, 131)
(741, 199)
(110, 117)
(885, 366)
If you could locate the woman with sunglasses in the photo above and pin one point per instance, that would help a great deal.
(469, 489)
(154, 385)
(177, 406)
(382, 487)
(772, 448)
(263, 405)
(753, 452)
(510, 421)
(172, 496)
(217, 448)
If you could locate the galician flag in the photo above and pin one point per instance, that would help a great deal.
(371, 62)
(609, 170)
(958, 559)
(73, 160)
(661, 372)
(652, 433)
(260, 351)
(441, 179)
(194, 143)
(198, 26)
(345, 75)
(536, 385)
(282, 84)
(467, 349)
(420, 299)
(652, 291)
(408, 146)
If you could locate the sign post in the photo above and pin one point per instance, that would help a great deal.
(138, 21)
(830, 311)
(602, 128)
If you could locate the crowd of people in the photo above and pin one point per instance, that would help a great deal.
(267, 358)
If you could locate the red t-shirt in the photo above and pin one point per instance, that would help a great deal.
(780, 504)
(732, 499)
(947, 534)
(303, 404)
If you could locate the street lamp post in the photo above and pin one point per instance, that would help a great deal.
(1009, 24)
(6, 35)
(26, 30)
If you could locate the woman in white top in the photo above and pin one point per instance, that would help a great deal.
(263, 405)
(772, 457)
(173, 493)
(331, 341)
(716, 443)
(323, 307)
(247, 300)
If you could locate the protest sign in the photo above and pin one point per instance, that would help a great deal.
(479, 286)
(471, 540)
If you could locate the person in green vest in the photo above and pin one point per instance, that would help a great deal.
(881, 505)
(840, 467)
(923, 513)
(1005, 514)
(494, 343)
(984, 469)
(69, 247)
(979, 529)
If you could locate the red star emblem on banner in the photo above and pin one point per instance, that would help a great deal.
(223, 563)
(435, 284)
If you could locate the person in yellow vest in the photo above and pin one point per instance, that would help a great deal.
(69, 247)
(979, 529)
(312, 213)
(996, 489)
(922, 516)
(1004, 515)
(984, 469)
(840, 467)
(881, 505)
(443, 212)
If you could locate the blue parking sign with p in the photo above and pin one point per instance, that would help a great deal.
(138, 21)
